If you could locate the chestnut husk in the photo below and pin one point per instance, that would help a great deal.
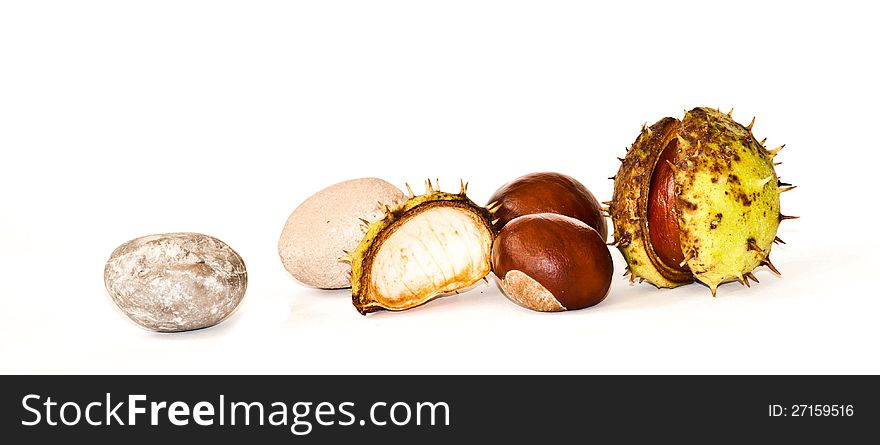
(726, 201)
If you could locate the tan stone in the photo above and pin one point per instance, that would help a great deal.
(327, 224)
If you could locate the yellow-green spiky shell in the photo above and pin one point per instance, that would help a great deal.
(396, 214)
(727, 199)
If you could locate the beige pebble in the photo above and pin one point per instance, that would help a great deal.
(326, 224)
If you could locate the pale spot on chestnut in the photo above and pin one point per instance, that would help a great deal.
(528, 293)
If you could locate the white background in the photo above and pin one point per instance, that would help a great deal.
(122, 119)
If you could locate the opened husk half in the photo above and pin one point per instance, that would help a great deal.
(428, 246)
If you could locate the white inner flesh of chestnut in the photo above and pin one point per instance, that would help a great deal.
(438, 251)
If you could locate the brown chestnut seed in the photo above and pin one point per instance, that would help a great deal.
(662, 214)
(550, 262)
(547, 192)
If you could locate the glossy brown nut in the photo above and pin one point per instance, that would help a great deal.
(548, 193)
(662, 214)
(551, 262)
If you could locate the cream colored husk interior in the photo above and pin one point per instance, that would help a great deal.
(436, 252)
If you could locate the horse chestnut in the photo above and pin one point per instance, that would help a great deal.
(551, 262)
(662, 213)
(697, 199)
(547, 192)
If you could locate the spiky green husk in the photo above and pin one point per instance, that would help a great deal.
(395, 215)
(727, 197)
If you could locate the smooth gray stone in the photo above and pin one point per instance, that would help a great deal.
(176, 281)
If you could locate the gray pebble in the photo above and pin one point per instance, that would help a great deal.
(176, 281)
